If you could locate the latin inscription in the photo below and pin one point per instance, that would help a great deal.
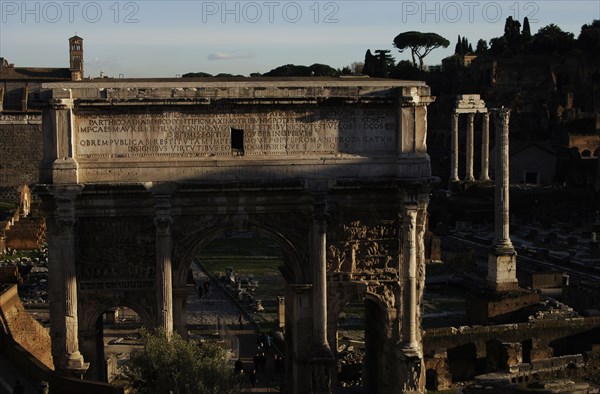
(123, 284)
(210, 134)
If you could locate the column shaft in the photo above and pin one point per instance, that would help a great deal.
(409, 323)
(485, 148)
(502, 212)
(163, 265)
(454, 149)
(470, 149)
(320, 281)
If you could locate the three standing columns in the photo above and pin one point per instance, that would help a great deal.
(469, 104)
(322, 360)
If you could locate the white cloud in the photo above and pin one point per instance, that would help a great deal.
(230, 56)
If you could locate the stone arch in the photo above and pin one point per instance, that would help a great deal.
(93, 313)
(200, 238)
(91, 330)
(378, 330)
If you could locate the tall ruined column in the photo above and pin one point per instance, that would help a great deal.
(63, 286)
(409, 274)
(454, 149)
(470, 147)
(502, 262)
(485, 148)
(321, 357)
(164, 280)
(409, 351)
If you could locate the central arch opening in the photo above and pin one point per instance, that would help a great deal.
(239, 302)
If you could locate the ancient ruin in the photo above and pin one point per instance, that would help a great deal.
(470, 104)
(139, 175)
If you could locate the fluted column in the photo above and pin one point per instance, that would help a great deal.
(63, 286)
(502, 263)
(322, 358)
(485, 148)
(470, 147)
(502, 229)
(454, 149)
(164, 280)
(409, 315)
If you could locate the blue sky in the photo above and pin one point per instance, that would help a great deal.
(150, 38)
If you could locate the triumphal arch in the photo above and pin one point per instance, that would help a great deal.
(139, 175)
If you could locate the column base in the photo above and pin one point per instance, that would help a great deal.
(498, 307)
(65, 171)
(408, 350)
(321, 367)
(502, 268)
(74, 365)
(411, 373)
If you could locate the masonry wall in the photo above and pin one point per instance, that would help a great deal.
(24, 329)
(20, 155)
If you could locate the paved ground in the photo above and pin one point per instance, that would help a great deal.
(216, 312)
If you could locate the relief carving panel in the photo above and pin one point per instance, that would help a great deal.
(116, 253)
(363, 246)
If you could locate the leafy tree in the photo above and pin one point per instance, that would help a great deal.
(458, 49)
(512, 30)
(420, 44)
(482, 46)
(589, 38)
(552, 40)
(196, 75)
(369, 64)
(177, 366)
(378, 65)
(385, 62)
(289, 70)
(405, 69)
(346, 70)
(322, 70)
(526, 33)
(357, 67)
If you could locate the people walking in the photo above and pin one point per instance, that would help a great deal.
(253, 378)
(239, 366)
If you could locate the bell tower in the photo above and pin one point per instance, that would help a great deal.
(76, 58)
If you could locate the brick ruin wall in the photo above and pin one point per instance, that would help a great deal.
(24, 329)
(20, 155)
